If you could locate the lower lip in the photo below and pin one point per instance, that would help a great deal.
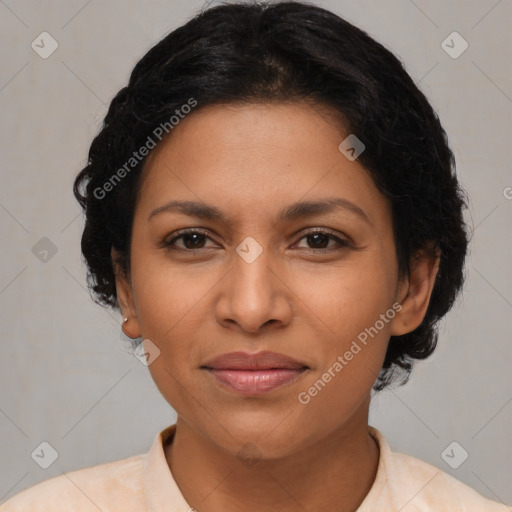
(256, 382)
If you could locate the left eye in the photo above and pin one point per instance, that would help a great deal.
(320, 240)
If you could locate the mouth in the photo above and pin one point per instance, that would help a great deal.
(254, 374)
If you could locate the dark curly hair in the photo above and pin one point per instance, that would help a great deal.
(287, 51)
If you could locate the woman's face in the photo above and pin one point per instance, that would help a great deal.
(274, 265)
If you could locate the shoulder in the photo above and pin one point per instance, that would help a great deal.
(108, 487)
(426, 487)
(411, 485)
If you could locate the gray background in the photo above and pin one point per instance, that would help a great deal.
(67, 376)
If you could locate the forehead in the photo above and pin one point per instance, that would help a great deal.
(247, 155)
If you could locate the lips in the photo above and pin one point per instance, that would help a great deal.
(254, 374)
(258, 361)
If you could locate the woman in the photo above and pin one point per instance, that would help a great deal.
(272, 205)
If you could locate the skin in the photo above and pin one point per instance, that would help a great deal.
(250, 161)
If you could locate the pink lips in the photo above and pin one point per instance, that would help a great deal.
(254, 374)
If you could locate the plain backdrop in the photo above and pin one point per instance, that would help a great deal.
(67, 377)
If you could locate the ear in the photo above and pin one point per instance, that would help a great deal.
(125, 298)
(415, 290)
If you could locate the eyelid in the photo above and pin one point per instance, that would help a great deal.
(342, 240)
(177, 234)
(321, 229)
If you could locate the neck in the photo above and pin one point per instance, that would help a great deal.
(335, 473)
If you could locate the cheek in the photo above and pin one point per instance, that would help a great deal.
(347, 299)
(350, 362)
(354, 311)
(168, 297)
(170, 309)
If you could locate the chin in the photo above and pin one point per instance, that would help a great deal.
(264, 433)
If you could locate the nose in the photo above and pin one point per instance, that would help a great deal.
(254, 295)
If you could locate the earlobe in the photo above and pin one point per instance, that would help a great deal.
(415, 291)
(130, 325)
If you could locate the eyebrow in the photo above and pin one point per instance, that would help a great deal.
(291, 212)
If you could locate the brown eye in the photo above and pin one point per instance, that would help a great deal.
(319, 241)
(193, 240)
(190, 240)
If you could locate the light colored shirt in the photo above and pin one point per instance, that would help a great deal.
(144, 483)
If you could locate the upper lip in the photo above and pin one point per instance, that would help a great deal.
(257, 361)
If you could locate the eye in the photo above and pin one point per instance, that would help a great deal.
(191, 239)
(319, 241)
(195, 240)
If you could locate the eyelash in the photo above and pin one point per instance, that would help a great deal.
(169, 244)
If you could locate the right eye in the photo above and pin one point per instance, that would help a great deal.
(192, 239)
